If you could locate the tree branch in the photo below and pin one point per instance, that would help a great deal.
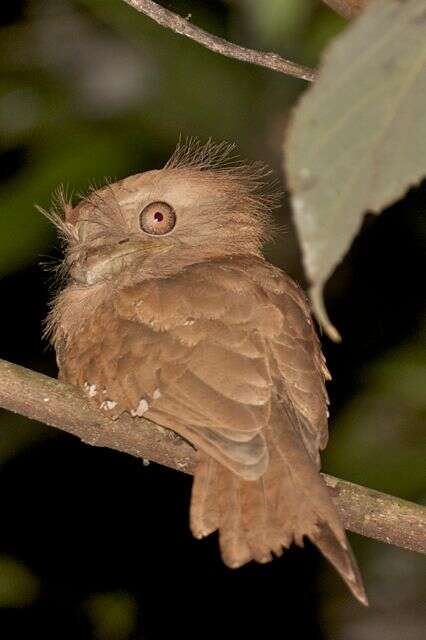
(347, 8)
(183, 27)
(370, 513)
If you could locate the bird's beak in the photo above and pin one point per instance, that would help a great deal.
(103, 263)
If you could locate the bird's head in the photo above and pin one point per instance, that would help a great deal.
(201, 205)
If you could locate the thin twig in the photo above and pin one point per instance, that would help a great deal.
(347, 8)
(183, 27)
(370, 513)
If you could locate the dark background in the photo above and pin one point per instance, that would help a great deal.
(92, 543)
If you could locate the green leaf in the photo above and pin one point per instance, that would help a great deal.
(18, 586)
(113, 615)
(378, 438)
(282, 22)
(357, 140)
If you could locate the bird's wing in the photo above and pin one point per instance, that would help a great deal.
(201, 353)
(301, 368)
(296, 361)
(221, 400)
(188, 352)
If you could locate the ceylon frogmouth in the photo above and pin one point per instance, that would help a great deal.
(170, 312)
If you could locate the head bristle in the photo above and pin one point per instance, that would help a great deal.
(57, 214)
(191, 153)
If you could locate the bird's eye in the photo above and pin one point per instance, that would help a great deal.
(157, 218)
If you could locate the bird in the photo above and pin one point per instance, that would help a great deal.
(167, 309)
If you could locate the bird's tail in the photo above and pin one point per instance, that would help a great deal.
(262, 517)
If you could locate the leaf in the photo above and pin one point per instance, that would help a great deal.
(385, 421)
(357, 140)
(113, 615)
(18, 586)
